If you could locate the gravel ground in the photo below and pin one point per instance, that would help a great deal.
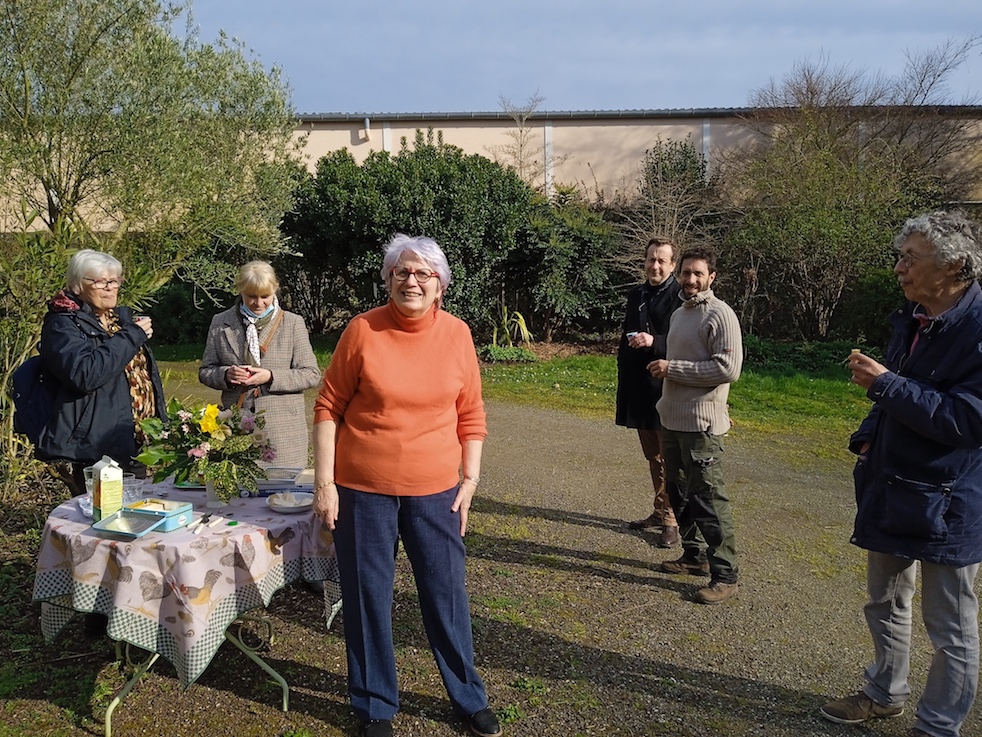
(576, 633)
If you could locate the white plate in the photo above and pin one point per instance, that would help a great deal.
(305, 497)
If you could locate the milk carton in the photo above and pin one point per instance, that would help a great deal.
(107, 488)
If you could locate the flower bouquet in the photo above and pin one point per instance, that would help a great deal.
(207, 444)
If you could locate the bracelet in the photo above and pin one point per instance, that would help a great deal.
(475, 479)
(323, 485)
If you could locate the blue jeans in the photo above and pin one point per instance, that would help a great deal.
(368, 531)
(950, 610)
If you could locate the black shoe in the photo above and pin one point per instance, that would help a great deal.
(484, 723)
(377, 728)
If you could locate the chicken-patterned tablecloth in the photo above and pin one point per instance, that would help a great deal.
(175, 593)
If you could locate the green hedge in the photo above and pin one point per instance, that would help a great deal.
(816, 359)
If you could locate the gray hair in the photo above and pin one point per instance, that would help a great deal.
(258, 275)
(954, 237)
(89, 264)
(426, 249)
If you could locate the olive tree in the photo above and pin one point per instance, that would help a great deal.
(121, 130)
(116, 119)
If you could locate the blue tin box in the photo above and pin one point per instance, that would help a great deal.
(127, 524)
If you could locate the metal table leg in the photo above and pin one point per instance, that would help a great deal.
(250, 651)
(332, 601)
(139, 670)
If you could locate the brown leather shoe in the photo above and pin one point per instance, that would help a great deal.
(668, 538)
(716, 593)
(685, 565)
(857, 709)
(648, 523)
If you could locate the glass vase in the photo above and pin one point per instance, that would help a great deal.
(214, 501)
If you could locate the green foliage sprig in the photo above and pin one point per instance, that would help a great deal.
(511, 327)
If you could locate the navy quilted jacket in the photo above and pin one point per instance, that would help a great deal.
(94, 411)
(919, 491)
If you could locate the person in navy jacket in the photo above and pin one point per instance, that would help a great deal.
(107, 379)
(918, 479)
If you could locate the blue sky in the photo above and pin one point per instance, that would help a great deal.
(391, 56)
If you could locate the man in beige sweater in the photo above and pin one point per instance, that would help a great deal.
(705, 354)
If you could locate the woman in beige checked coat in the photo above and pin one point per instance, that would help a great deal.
(259, 356)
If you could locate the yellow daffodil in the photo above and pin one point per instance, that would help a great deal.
(209, 420)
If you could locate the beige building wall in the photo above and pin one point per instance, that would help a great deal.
(600, 152)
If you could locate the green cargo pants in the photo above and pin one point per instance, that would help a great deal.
(694, 476)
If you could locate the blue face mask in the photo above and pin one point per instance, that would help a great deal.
(249, 313)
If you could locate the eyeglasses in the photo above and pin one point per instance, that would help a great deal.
(105, 283)
(909, 259)
(422, 275)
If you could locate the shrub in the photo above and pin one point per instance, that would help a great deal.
(506, 354)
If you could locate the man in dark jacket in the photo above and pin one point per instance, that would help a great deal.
(649, 307)
(919, 480)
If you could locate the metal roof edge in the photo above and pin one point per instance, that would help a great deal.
(577, 114)
(537, 115)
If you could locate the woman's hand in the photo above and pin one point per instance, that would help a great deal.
(257, 376)
(641, 340)
(325, 490)
(145, 323)
(462, 502)
(248, 376)
(326, 504)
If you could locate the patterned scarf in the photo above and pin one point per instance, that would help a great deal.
(138, 377)
(254, 324)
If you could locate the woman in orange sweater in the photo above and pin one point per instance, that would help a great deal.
(399, 427)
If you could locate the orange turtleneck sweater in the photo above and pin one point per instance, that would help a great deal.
(405, 392)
